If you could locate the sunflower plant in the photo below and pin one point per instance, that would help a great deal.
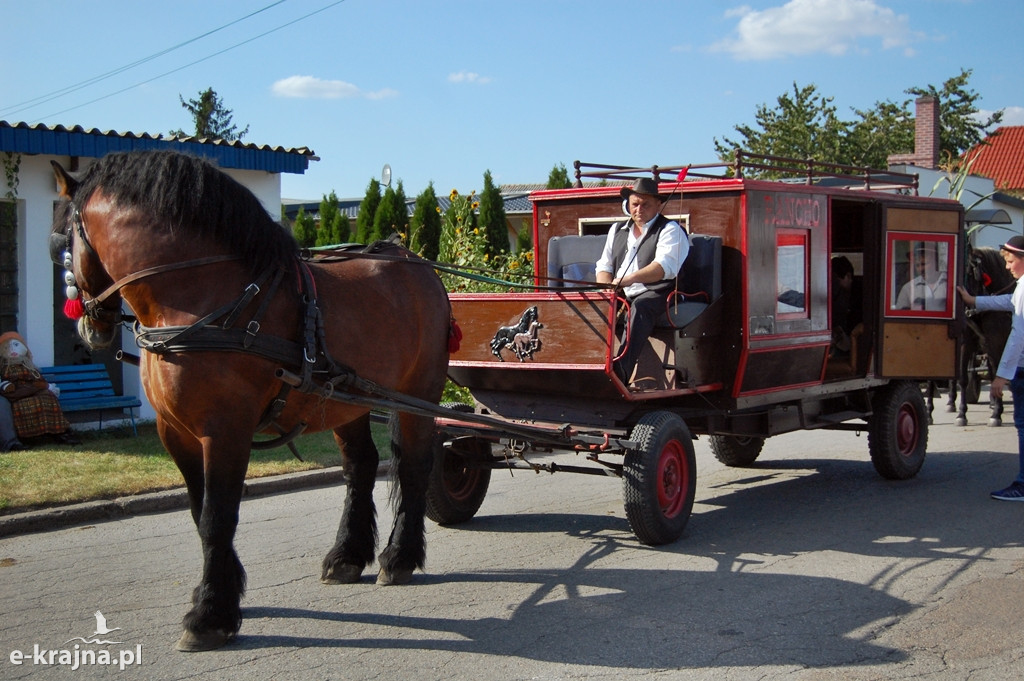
(464, 245)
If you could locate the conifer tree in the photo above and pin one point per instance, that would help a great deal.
(425, 226)
(493, 220)
(392, 215)
(558, 178)
(304, 229)
(368, 212)
(330, 222)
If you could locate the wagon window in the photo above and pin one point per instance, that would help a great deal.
(918, 281)
(792, 271)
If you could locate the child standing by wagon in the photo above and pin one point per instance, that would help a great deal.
(1011, 368)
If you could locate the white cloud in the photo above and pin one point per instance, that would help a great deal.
(310, 87)
(802, 27)
(1013, 115)
(468, 77)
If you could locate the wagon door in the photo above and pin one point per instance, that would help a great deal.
(920, 320)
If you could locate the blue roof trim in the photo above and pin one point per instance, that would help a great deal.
(21, 138)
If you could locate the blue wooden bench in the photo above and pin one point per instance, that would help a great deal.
(87, 388)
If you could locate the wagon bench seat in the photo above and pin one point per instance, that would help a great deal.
(87, 388)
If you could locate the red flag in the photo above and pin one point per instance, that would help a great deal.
(682, 174)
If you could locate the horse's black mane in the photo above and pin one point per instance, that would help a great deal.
(187, 194)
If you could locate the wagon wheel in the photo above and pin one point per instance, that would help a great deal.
(734, 450)
(659, 478)
(456, 488)
(898, 431)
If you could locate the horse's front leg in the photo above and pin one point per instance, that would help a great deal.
(412, 446)
(216, 614)
(357, 533)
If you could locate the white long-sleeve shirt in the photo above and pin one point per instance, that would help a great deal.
(1013, 351)
(672, 249)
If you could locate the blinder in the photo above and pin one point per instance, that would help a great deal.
(61, 247)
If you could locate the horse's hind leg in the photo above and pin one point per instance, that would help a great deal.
(357, 533)
(411, 445)
(961, 414)
(995, 419)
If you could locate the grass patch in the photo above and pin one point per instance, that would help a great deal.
(114, 463)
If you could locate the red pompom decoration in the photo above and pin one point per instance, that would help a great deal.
(454, 338)
(73, 309)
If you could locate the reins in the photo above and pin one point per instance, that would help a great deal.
(342, 253)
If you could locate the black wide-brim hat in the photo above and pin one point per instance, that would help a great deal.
(643, 185)
(1015, 245)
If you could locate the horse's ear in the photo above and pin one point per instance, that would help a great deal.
(66, 184)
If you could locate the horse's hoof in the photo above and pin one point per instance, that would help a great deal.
(341, 574)
(385, 578)
(995, 423)
(191, 642)
(950, 409)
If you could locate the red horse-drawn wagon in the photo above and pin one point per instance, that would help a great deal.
(744, 352)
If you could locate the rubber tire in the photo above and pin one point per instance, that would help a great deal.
(454, 490)
(659, 478)
(898, 431)
(736, 451)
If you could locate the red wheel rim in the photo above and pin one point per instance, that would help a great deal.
(906, 430)
(459, 481)
(672, 479)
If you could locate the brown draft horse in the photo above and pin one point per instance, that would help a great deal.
(181, 243)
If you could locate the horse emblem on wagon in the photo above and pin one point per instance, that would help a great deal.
(522, 338)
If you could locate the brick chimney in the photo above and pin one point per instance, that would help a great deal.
(926, 136)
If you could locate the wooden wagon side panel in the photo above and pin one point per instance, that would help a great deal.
(546, 343)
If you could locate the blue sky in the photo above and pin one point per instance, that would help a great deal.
(443, 90)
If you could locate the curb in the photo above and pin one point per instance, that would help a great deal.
(60, 517)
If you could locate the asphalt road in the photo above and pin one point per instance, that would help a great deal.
(806, 566)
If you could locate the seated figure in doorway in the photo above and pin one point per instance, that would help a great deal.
(33, 400)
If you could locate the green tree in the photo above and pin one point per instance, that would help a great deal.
(558, 178)
(802, 125)
(805, 125)
(960, 128)
(304, 229)
(878, 133)
(492, 218)
(211, 117)
(392, 215)
(425, 226)
(524, 237)
(330, 232)
(367, 212)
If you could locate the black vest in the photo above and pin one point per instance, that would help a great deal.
(645, 251)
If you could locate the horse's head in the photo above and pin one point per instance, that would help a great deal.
(98, 314)
(986, 272)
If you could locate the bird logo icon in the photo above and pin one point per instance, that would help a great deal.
(101, 625)
(101, 630)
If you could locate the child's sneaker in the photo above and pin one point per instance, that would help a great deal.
(1014, 492)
